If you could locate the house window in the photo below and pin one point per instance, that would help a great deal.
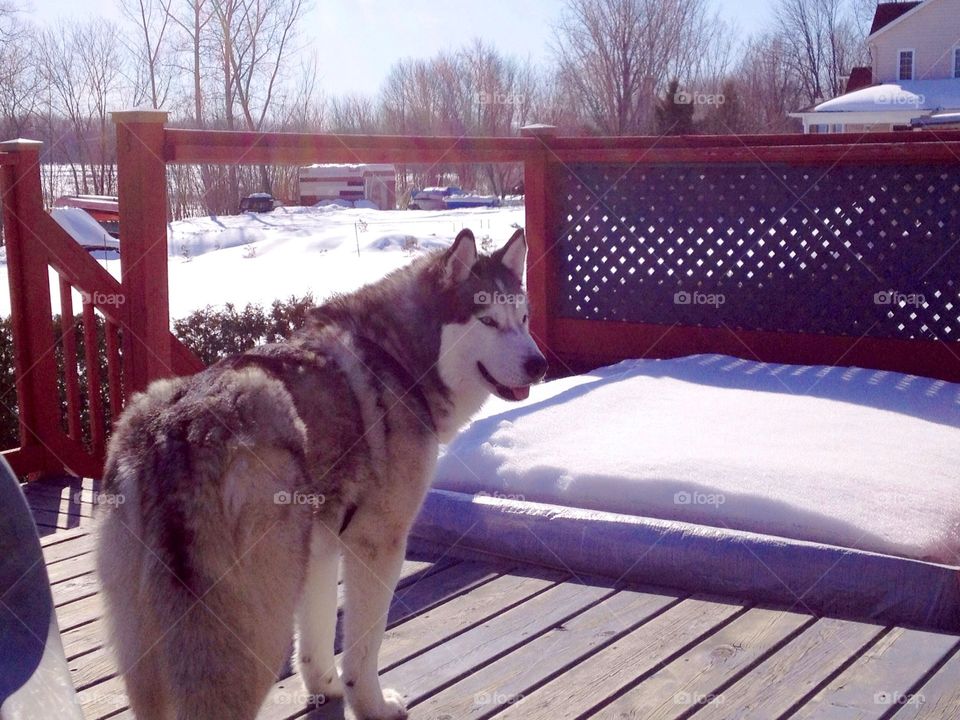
(905, 68)
(956, 62)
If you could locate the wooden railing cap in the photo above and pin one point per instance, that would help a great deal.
(139, 115)
(20, 145)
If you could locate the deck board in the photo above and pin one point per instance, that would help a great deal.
(879, 678)
(457, 657)
(509, 678)
(700, 675)
(936, 699)
(487, 638)
(619, 665)
(793, 672)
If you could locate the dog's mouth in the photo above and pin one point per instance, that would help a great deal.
(507, 393)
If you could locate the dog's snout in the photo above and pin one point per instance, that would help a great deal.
(535, 366)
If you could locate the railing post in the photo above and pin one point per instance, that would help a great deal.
(539, 207)
(32, 316)
(142, 190)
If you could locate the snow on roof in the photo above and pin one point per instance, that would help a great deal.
(332, 168)
(929, 95)
(948, 118)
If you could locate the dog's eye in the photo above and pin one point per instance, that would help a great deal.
(488, 321)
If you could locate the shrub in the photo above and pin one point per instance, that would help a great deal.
(214, 334)
(211, 333)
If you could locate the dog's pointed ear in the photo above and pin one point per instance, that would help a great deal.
(460, 259)
(514, 253)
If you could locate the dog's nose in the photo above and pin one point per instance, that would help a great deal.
(535, 366)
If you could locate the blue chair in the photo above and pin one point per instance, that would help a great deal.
(34, 677)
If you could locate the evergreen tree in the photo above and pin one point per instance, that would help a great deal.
(727, 116)
(674, 112)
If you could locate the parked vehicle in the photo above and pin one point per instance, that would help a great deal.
(448, 198)
(259, 203)
(105, 209)
(88, 233)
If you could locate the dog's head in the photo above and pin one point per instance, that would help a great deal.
(486, 345)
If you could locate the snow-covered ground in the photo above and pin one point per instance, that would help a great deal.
(848, 457)
(258, 258)
(293, 251)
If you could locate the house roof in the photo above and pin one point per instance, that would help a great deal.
(886, 13)
(924, 96)
(949, 118)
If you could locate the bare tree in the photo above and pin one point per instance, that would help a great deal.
(192, 19)
(767, 85)
(615, 56)
(152, 20)
(822, 42)
(257, 39)
(20, 79)
(474, 91)
(353, 114)
(83, 73)
(862, 12)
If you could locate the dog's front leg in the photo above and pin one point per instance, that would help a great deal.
(372, 561)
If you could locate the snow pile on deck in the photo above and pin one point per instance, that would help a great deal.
(849, 457)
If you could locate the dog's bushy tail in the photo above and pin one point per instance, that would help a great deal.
(201, 554)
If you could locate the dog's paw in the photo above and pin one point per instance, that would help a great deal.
(393, 708)
(322, 685)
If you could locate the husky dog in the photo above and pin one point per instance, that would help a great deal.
(244, 486)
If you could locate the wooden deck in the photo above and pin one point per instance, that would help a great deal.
(480, 639)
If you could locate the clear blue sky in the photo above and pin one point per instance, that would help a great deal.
(357, 40)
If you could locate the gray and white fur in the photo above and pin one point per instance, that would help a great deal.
(243, 487)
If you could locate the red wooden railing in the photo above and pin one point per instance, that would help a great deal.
(51, 437)
(140, 347)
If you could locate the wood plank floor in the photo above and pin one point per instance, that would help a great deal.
(484, 639)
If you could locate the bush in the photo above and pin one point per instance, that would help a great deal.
(210, 333)
(214, 334)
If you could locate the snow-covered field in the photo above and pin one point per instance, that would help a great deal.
(848, 457)
(258, 258)
(293, 251)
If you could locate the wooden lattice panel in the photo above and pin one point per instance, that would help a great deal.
(847, 250)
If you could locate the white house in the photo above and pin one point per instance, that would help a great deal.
(914, 79)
